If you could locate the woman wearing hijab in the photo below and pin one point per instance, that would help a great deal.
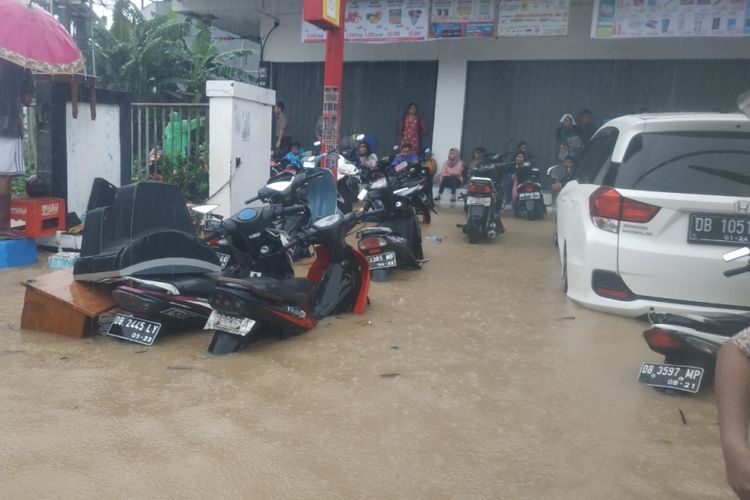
(451, 175)
(412, 128)
(569, 138)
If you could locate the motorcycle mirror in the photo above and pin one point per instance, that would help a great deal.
(204, 209)
(555, 172)
(736, 254)
(360, 137)
(743, 102)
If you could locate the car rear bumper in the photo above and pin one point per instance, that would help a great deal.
(642, 305)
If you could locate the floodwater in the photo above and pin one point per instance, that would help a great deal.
(473, 378)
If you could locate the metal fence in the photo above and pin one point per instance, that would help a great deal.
(161, 132)
(29, 138)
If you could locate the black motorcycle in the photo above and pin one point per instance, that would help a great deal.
(180, 302)
(529, 200)
(690, 342)
(337, 282)
(483, 202)
(397, 240)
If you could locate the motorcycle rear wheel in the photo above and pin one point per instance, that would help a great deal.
(474, 233)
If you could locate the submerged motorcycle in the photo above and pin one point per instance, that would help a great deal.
(529, 201)
(252, 308)
(483, 203)
(690, 343)
(177, 303)
(397, 240)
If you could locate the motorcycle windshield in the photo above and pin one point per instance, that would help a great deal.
(321, 196)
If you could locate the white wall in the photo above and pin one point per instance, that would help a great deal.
(285, 45)
(240, 117)
(93, 151)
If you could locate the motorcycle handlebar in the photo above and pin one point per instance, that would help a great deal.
(737, 270)
(254, 198)
(210, 236)
(293, 209)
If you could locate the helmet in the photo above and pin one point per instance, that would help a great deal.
(35, 187)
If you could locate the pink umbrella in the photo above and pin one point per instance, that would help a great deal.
(30, 37)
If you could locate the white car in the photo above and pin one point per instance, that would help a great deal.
(656, 201)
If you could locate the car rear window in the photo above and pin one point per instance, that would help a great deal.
(688, 162)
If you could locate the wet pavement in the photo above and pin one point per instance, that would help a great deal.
(473, 378)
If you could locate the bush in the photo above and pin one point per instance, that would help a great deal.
(189, 174)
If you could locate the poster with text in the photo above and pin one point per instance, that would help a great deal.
(665, 18)
(379, 21)
(462, 18)
(533, 17)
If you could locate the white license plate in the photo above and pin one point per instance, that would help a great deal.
(484, 201)
(235, 325)
(382, 260)
(223, 259)
(530, 196)
(678, 377)
(140, 331)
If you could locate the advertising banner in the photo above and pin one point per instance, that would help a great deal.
(462, 18)
(533, 18)
(379, 21)
(669, 18)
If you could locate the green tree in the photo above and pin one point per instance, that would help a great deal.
(150, 58)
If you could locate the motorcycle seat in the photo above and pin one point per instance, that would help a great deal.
(374, 231)
(297, 291)
(194, 285)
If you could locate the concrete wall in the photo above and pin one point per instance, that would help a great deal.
(285, 45)
(93, 148)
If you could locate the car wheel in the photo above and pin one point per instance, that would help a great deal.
(554, 234)
(564, 280)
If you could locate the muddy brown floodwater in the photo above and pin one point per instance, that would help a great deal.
(473, 378)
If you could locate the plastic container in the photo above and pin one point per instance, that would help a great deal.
(62, 260)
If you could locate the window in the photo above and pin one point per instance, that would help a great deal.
(712, 163)
(596, 156)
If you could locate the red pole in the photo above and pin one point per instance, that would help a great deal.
(332, 88)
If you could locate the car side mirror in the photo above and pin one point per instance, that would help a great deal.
(556, 172)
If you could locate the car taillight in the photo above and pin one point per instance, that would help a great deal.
(608, 207)
(479, 189)
(371, 243)
(660, 340)
(529, 187)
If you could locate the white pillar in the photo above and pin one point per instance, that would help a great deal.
(240, 142)
(449, 105)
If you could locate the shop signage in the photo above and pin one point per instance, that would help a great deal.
(462, 18)
(322, 13)
(670, 18)
(379, 21)
(533, 18)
